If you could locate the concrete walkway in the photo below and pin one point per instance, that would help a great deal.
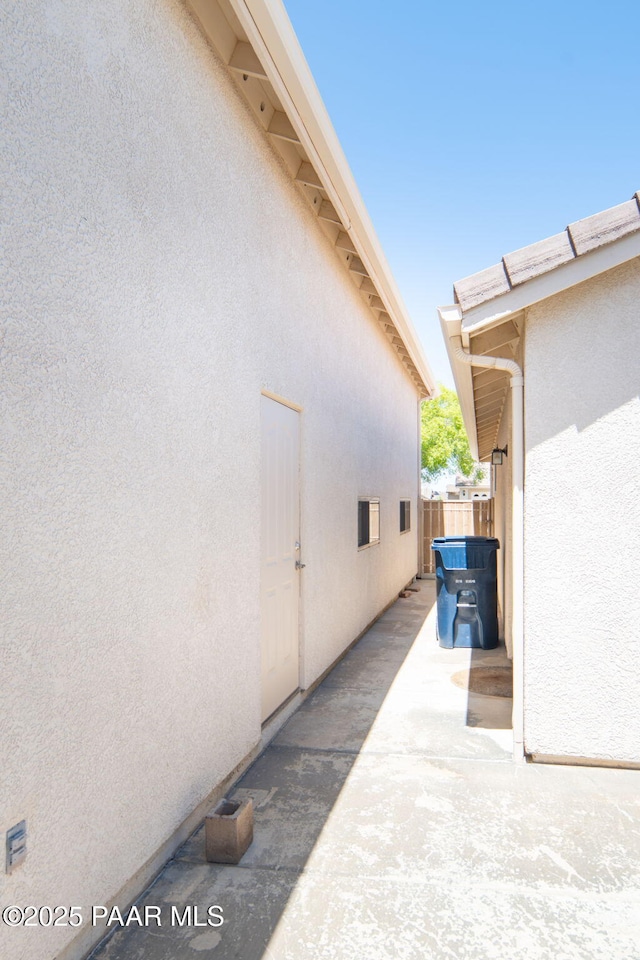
(392, 824)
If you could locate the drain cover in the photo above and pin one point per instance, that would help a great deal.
(490, 681)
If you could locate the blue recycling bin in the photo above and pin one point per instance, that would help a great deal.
(466, 579)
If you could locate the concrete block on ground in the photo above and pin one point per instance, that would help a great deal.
(229, 831)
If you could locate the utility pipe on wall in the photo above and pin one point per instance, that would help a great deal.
(517, 532)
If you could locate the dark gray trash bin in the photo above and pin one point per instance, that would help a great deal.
(466, 579)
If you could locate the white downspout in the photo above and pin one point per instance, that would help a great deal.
(517, 536)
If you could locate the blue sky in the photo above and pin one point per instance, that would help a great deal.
(475, 128)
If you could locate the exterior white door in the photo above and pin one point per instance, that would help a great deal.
(280, 546)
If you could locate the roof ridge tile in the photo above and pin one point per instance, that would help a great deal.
(605, 227)
(482, 286)
(537, 258)
(545, 255)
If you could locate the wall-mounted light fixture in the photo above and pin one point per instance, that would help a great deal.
(497, 456)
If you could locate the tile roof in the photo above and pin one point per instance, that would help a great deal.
(579, 238)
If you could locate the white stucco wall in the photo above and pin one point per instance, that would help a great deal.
(582, 504)
(161, 271)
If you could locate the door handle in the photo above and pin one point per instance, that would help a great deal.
(299, 565)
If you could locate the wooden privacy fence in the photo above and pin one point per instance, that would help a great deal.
(444, 518)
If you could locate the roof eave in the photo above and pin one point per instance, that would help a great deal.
(456, 321)
(549, 284)
(271, 35)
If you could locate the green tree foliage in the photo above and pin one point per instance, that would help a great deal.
(445, 447)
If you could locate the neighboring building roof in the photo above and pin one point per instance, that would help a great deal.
(256, 41)
(490, 306)
(522, 265)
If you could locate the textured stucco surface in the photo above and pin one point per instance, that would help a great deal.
(160, 271)
(582, 508)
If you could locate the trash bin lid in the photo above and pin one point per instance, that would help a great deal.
(466, 553)
(454, 541)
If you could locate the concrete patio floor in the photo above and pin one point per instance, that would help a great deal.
(391, 822)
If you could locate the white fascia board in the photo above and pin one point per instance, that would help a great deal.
(451, 323)
(576, 271)
(271, 34)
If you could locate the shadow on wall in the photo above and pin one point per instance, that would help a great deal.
(581, 354)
